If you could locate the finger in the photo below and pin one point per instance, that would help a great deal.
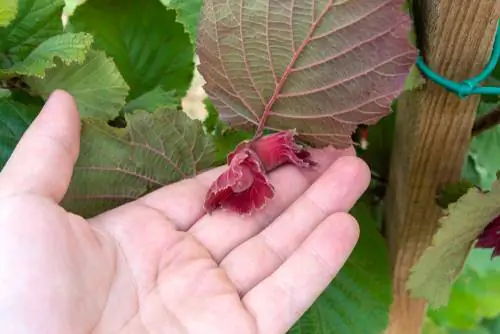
(182, 202)
(278, 301)
(289, 182)
(335, 191)
(43, 160)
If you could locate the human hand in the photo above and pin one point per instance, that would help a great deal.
(159, 264)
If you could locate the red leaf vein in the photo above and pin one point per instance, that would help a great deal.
(245, 57)
(243, 100)
(357, 20)
(340, 82)
(346, 51)
(269, 54)
(322, 115)
(283, 78)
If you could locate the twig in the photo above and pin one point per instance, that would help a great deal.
(486, 122)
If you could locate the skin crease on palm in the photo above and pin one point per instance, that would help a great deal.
(159, 264)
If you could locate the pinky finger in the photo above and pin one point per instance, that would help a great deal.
(280, 299)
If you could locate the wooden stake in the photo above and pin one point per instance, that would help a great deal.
(432, 138)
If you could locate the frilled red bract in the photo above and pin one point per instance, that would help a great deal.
(278, 149)
(244, 187)
(490, 237)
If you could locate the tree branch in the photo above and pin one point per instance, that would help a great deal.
(486, 122)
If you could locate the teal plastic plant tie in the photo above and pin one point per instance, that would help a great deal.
(469, 86)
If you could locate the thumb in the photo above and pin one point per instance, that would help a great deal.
(43, 160)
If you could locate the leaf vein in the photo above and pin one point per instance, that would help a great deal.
(367, 14)
(341, 112)
(269, 54)
(120, 170)
(217, 43)
(165, 157)
(342, 81)
(346, 51)
(245, 56)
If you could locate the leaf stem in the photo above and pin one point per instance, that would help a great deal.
(486, 122)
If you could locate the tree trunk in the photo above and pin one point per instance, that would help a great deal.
(432, 138)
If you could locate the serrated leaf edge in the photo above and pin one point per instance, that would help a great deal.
(438, 236)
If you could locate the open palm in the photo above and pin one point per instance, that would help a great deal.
(159, 264)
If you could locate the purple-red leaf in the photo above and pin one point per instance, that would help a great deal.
(320, 67)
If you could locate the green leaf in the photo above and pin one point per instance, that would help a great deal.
(154, 100)
(440, 264)
(432, 328)
(16, 117)
(8, 11)
(71, 5)
(485, 149)
(97, 85)
(225, 138)
(495, 76)
(358, 299)
(477, 330)
(476, 174)
(320, 67)
(119, 165)
(480, 261)
(470, 172)
(36, 21)
(148, 46)
(188, 13)
(475, 296)
(452, 193)
(68, 48)
(212, 119)
(493, 325)
(415, 80)
(4, 93)
(25, 97)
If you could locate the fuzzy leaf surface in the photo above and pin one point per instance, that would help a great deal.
(119, 165)
(96, 85)
(68, 48)
(319, 66)
(148, 46)
(16, 117)
(36, 21)
(188, 13)
(153, 100)
(440, 264)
